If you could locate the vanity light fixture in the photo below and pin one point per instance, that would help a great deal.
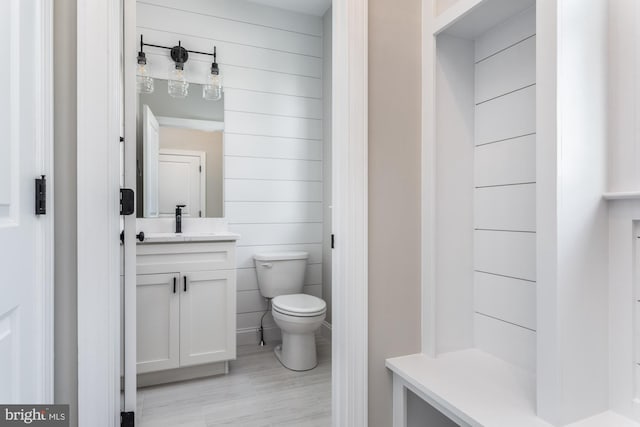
(178, 86)
(212, 89)
(144, 82)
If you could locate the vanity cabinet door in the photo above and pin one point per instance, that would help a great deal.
(207, 317)
(158, 339)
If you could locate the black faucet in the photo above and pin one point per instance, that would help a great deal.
(179, 218)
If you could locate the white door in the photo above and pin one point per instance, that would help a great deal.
(26, 304)
(207, 317)
(157, 319)
(150, 152)
(181, 182)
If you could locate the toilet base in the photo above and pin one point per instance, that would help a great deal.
(297, 351)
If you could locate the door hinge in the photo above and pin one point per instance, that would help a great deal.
(41, 195)
(333, 241)
(200, 214)
(122, 139)
(200, 169)
(127, 419)
(127, 201)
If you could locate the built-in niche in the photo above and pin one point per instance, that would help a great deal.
(486, 189)
(515, 238)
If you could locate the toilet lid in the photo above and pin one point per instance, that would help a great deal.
(299, 305)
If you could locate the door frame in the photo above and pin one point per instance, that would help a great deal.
(99, 47)
(44, 263)
(98, 220)
(44, 135)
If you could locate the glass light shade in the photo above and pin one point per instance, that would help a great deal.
(144, 82)
(212, 89)
(178, 85)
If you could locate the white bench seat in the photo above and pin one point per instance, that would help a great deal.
(473, 388)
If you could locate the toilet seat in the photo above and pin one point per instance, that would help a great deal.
(299, 305)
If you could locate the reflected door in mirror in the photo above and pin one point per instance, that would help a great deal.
(181, 182)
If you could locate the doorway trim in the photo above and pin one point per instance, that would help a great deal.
(350, 213)
(99, 48)
(98, 225)
(45, 255)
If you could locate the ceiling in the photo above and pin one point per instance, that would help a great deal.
(309, 7)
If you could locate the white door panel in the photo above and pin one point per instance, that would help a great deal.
(9, 117)
(9, 351)
(25, 333)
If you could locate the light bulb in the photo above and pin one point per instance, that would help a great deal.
(178, 86)
(212, 89)
(144, 82)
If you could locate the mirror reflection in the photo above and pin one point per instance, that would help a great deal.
(179, 153)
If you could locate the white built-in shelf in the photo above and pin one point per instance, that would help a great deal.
(622, 195)
(478, 389)
(472, 386)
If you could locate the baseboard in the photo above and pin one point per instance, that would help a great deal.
(325, 330)
(179, 374)
(251, 336)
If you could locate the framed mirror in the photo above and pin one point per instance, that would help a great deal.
(180, 154)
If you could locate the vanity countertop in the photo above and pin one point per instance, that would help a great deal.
(223, 236)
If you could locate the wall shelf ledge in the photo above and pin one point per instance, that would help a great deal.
(622, 195)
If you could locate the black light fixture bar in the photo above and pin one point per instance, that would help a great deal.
(169, 48)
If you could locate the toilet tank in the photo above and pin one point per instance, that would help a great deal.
(280, 273)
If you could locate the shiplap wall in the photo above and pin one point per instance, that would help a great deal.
(271, 63)
(505, 191)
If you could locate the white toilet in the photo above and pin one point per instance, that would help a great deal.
(281, 278)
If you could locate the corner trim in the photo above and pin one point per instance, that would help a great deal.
(350, 213)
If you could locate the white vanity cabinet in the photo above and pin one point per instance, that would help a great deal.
(158, 322)
(207, 317)
(186, 303)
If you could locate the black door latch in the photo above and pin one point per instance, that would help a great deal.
(41, 195)
(127, 419)
(127, 201)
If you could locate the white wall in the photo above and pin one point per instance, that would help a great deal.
(505, 191)
(272, 64)
(395, 30)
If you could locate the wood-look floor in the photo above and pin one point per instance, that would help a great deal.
(257, 392)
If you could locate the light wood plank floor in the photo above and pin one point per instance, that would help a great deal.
(257, 392)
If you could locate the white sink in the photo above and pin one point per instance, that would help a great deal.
(190, 237)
